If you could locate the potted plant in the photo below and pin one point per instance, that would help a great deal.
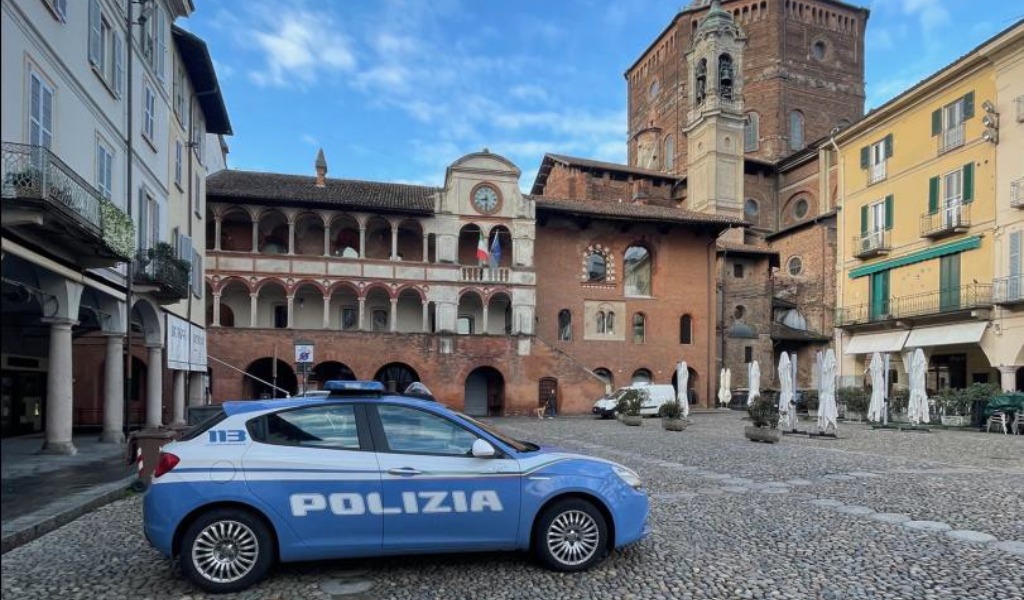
(811, 401)
(630, 403)
(855, 400)
(764, 413)
(898, 403)
(671, 414)
(955, 404)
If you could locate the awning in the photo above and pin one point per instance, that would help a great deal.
(889, 341)
(960, 333)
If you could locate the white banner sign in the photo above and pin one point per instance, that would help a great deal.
(303, 353)
(177, 343)
(197, 357)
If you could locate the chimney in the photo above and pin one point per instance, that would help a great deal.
(321, 168)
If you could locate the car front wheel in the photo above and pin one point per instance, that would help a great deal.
(571, 535)
(226, 551)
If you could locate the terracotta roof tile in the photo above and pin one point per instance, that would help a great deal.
(630, 211)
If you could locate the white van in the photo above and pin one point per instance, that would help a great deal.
(654, 396)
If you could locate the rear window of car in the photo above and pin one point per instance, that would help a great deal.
(201, 427)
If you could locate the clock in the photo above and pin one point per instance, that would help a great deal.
(485, 199)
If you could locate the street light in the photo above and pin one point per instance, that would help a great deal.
(304, 360)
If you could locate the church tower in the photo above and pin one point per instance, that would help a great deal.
(715, 119)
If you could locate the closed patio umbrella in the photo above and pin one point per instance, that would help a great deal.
(723, 389)
(787, 408)
(682, 379)
(917, 409)
(728, 385)
(827, 411)
(876, 410)
(753, 382)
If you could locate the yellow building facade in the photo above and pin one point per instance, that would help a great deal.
(926, 225)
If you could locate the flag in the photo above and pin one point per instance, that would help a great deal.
(481, 248)
(495, 252)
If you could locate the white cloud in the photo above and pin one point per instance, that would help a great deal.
(309, 139)
(930, 13)
(529, 92)
(298, 46)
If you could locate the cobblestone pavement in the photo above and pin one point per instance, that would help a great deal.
(877, 514)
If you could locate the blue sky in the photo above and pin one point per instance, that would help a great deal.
(395, 90)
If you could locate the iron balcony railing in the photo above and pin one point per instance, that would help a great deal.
(954, 217)
(876, 172)
(951, 138)
(160, 268)
(938, 302)
(871, 243)
(1008, 290)
(35, 173)
(1017, 193)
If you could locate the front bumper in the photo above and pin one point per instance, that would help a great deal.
(631, 523)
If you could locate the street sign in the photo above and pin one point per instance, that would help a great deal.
(303, 353)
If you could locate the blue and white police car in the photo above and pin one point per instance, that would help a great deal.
(363, 473)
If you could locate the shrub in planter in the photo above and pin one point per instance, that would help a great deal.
(900, 400)
(630, 403)
(856, 400)
(671, 414)
(764, 413)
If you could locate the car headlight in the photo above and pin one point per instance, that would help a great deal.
(629, 476)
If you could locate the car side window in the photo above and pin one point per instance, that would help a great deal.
(420, 432)
(330, 426)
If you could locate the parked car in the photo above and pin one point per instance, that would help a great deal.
(364, 473)
(654, 396)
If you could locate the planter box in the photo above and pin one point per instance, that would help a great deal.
(762, 434)
(955, 421)
(674, 424)
(633, 421)
(855, 416)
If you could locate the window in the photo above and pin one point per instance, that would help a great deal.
(639, 326)
(197, 274)
(609, 322)
(948, 122)
(564, 325)
(199, 138)
(737, 270)
(605, 375)
(180, 95)
(748, 354)
(154, 41)
(652, 91)
(670, 151)
(604, 322)
(40, 118)
(725, 77)
(796, 130)
(177, 162)
(198, 197)
(800, 208)
(819, 50)
(637, 263)
(59, 9)
(419, 432)
(686, 329)
(597, 267)
(332, 426)
(751, 132)
(106, 48)
(599, 322)
(379, 319)
(795, 266)
(873, 158)
(149, 220)
(349, 317)
(149, 114)
(104, 169)
(739, 312)
(701, 80)
(751, 208)
(280, 316)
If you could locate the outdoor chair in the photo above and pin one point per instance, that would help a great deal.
(998, 417)
(1018, 422)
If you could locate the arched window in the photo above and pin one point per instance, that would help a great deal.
(670, 151)
(564, 325)
(642, 376)
(639, 326)
(599, 322)
(725, 77)
(609, 322)
(597, 267)
(751, 131)
(796, 130)
(700, 86)
(637, 265)
(686, 329)
(605, 375)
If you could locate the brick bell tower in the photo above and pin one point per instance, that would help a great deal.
(715, 119)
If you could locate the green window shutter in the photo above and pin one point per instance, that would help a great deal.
(863, 221)
(888, 145)
(933, 195)
(936, 122)
(888, 212)
(969, 105)
(968, 182)
(865, 157)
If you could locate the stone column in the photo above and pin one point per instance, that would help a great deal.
(1008, 378)
(362, 314)
(216, 310)
(178, 396)
(113, 399)
(484, 328)
(327, 239)
(291, 236)
(394, 242)
(253, 306)
(362, 241)
(216, 232)
(255, 236)
(393, 320)
(59, 387)
(426, 249)
(291, 311)
(426, 317)
(154, 387)
(196, 388)
(327, 312)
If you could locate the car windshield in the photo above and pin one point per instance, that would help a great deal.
(518, 445)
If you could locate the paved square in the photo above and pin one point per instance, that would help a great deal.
(877, 514)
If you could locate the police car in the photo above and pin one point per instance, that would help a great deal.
(363, 473)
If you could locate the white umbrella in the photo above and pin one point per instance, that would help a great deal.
(728, 385)
(787, 409)
(682, 377)
(723, 391)
(917, 410)
(753, 382)
(876, 410)
(827, 411)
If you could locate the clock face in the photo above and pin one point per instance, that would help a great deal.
(485, 199)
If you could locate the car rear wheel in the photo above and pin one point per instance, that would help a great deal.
(226, 550)
(571, 535)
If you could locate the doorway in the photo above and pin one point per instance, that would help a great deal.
(484, 393)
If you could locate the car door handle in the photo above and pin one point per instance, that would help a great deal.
(404, 471)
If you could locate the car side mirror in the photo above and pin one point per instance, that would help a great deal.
(483, 449)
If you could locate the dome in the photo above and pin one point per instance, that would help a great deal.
(741, 330)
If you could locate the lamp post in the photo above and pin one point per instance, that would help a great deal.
(304, 360)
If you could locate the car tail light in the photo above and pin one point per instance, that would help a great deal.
(167, 462)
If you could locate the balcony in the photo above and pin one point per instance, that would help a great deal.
(158, 272)
(871, 244)
(49, 205)
(876, 173)
(1017, 193)
(949, 220)
(1008, 291)
(484, 274)
(941, 305)
(951, 138)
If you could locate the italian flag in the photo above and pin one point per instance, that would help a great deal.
(481, 249)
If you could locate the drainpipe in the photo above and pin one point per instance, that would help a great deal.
(129, 44)
(840, 196)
